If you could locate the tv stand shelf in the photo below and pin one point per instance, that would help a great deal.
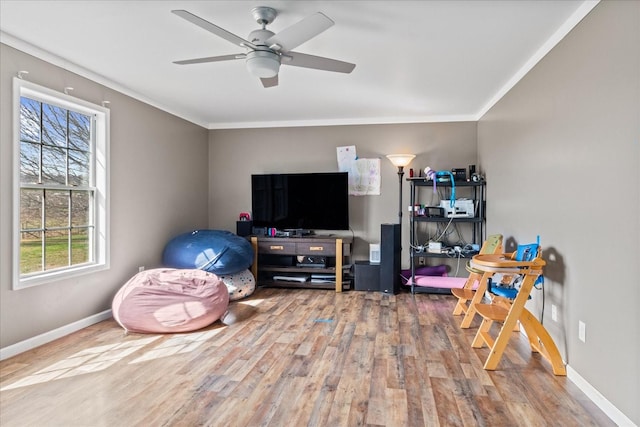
(277, 256)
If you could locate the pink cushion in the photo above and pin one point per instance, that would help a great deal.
(439, 282)
(170, 300)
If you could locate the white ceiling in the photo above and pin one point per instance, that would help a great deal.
(416, 61)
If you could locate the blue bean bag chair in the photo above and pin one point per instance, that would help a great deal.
(216, 251)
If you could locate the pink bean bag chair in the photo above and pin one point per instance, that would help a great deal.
(170, 300)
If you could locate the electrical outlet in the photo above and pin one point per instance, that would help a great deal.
(582, 331)
(141, 268)
(554, 312)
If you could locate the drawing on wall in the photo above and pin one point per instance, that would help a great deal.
(364, 174)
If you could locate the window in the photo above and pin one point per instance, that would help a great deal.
(60, 196)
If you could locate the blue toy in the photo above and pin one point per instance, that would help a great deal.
(526, 252)
(216, 251)
(432, 175)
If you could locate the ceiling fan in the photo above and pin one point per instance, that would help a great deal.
(266, 50)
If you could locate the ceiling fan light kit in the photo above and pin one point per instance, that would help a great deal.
(266, 49)
(263, 64)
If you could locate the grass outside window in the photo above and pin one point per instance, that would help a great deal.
(56, 252)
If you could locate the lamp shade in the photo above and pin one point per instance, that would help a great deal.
(263, 64)
(400, 160)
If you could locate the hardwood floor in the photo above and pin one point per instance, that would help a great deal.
(292, 358)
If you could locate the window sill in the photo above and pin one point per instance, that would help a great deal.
(57, 276)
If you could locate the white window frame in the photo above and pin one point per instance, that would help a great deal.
(100, 171)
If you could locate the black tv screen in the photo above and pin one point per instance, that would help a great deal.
(301, 201)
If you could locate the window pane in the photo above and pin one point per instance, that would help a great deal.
(80, 208)
(78, 167)
(80, 246)
(30, 209)
(56, 249)
(29, 163)
(56, 208)
(79, 131)
(54, 165)
(30, 252)
(54, 125)
(29, 120)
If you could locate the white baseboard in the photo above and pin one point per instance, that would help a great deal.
(22, 346)
(596, 397)
(601, 402)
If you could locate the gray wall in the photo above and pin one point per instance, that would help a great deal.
(158, 189)
(561, 154)
(236, 154)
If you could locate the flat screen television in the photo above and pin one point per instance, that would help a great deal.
(301, 201)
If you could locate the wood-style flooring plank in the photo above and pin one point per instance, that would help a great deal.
(292, 357)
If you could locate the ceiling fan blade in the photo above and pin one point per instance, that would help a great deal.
(220, 32)
(317, 62)
(270, 81)
(298, 33)
(211, 59)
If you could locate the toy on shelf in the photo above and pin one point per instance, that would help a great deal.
(432, 175)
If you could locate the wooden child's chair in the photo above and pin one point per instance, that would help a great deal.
(466, 294)
(508, 309)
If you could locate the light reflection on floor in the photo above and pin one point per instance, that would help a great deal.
(183, 343)
(99, 358)
(93, 359)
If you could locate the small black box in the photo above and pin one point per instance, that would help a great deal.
(434, 212)
(459, 174)
(367, 276)
(244, 228)
(312, 261)
(259, 231)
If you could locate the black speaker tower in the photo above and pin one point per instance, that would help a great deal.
(390, 250)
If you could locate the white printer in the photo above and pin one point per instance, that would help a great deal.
(462, 208)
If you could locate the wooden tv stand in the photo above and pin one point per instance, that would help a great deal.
(277, 256)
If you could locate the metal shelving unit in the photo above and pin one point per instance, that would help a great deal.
(477, 223)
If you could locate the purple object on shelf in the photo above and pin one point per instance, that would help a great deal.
(435, 270)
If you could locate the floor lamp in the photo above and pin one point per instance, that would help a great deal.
(400, 161)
